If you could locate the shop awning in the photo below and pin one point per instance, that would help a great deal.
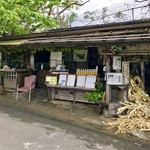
(88, 40)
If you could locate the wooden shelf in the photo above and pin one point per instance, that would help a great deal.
(75, 94)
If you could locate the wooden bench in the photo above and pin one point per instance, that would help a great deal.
(75, 94)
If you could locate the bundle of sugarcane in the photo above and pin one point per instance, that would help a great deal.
(137, 110)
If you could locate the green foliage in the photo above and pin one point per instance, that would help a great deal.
(119, 16)
(26, 16)
(96, 15)
(96, 95)
(89, 15)
(23, 16)
(99, 87)
(104, 14)
(93, 96)
(117, 48)
(71, 18)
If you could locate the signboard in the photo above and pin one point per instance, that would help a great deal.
(56, 55)
(71, 80)
(81, 81)
(62, 79)
(55, 59)
(116, 63)
(52, 80)
(114, 78)
(80, 55)
(32, 61)
(126, 72)
(90, 81)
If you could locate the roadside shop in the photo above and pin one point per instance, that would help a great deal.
(71, 60)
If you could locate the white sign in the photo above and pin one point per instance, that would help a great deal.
(80, 81)
(62, 79)
(90, 81)
(114, 78)
(55, 59)
(126, 72)
(116, 63)
(71, 80)
(56, 55)
(32, 61)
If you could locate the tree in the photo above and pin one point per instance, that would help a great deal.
(71, 18)
(96, 16)
(26, 16)
(90, 15)
(104, 14)
(119, 16)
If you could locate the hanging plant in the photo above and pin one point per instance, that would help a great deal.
(117, 49)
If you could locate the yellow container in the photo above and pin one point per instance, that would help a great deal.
(77, 72)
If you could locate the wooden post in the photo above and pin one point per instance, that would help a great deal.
(142, 72)
(108, 87)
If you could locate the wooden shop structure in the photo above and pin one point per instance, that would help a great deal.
(120, 50)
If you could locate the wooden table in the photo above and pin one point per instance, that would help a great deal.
(67, 93)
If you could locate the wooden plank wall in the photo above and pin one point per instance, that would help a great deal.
(134, 49)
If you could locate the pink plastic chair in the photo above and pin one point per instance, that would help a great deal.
(29, 84)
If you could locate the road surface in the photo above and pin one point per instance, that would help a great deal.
(22, 130)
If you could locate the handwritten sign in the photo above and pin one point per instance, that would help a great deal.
(52, 80)
(116, 63)
(81, 81)
(71, 80)
(114, 78)
(126, 72)
(90, 81)
(62, 79)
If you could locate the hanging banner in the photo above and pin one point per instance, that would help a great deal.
(31, 61)
(55, 59)
(125, 72)
(116, 63)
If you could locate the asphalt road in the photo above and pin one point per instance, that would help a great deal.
(23, 130)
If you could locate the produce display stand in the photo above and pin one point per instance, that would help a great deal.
(75, 94)
(70, 87)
